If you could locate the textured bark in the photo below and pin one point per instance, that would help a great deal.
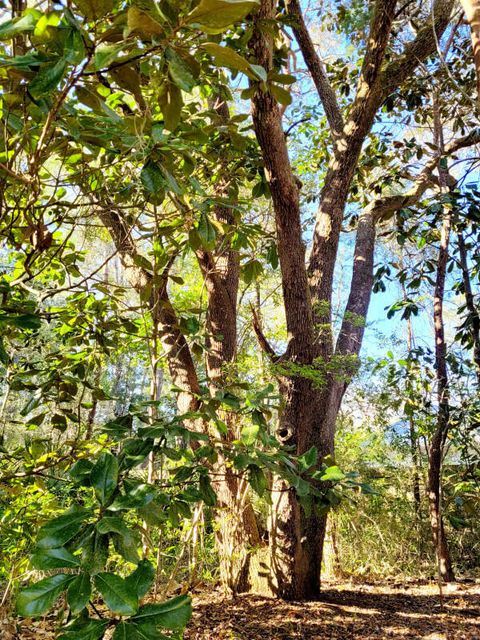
(309, 414)
(179, 357)
(373, 88)
(472, 13)
(474, 318)
(237, 534)
(437, 442)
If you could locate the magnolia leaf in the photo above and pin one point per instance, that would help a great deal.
(249, 434)
(308, 459)
(106, 54)
(62, 529)
(84, 629)
(214, 16)
(94, 9)
(116, 593)
(47, 79)
(333, 474)
(180, 72)
(206, 232)
(140, 22)
(280, 94)
(171, 103)
(152, 177)
(78, 593)
(257, 479)
(11, 28)
(208, 494)
(251, 270)
(104, 476)
(39, 598)
(57, 558)
(226, 57)
(141, 579)
(172, 614)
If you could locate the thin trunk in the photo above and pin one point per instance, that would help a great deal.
(411, 425)
(435, 453)
(93, 409)
(474, 318)
(237, 534)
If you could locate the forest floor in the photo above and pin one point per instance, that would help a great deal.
(344, 611)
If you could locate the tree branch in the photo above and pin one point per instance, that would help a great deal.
(180, 361)
(285, 195)
(424, 44)
(316, 69)
(262, 340)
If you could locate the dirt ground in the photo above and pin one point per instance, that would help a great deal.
(344, 611)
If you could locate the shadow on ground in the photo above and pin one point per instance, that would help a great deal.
(343, 612)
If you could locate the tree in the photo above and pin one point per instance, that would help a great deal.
(124, 115)
(309, 414)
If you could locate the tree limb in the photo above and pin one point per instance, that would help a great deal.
(262, 340)
(316, 68)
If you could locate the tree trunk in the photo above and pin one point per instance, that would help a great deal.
(434, 502)
(438, 439)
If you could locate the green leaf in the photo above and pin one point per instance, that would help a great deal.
(84, 629)
(115, 524)
(94, 9)
(62, 529)
(172, 614)
(116, 593)
(59, 421)
(78, 593)
(171, 103)
(332, 474)
(143, 262)
(152, 177)
(120, 425)
(260, 72)
(251, 270)
(208, 494)
(127, 547)
(257, 479)
(249, 434)
(141, 579)
(280, 94)
(179, 71)
(57, 558)
(104, 477)
(149, 632)
(39, 598)
(138, 497)
(48, 78)
(226, 57)
(141, 22)
(24, 321)
(308, 459)
(214, 16)
(4, 359)
(106, 54)
(125, 631)
(206, 232)
(12, 28)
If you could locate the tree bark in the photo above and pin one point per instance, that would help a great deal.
(474, 318)
(472, 13)
(436, 447)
